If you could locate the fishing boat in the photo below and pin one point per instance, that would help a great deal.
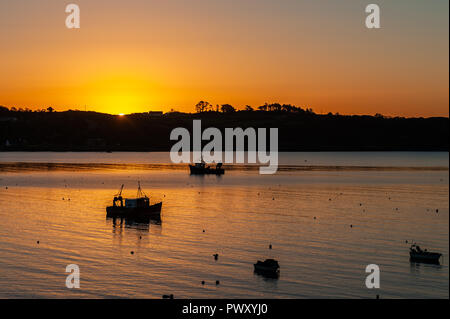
(138, 207)
(202, 169)
(269, 267)
(416, 254)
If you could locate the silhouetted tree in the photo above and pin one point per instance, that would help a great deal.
(248, 108)
(50, 109)
(227, 108)
(202, 106)
(263, 107)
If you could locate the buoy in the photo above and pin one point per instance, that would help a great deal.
(37, 242)
(270, 246)
(217, 282)
(203, 282)
(132, 252)
(314, 217)
(140, 237)
(203, 230)
(351, 226)
(216, 256)
(437, 210)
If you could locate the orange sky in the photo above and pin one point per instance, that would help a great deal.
(136, 56)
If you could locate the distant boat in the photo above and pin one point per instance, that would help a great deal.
(135, 207)
(202, 169)
(416, 254)
(268, 268)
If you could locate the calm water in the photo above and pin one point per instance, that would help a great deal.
(387, 197)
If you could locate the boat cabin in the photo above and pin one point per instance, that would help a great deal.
(137, 202)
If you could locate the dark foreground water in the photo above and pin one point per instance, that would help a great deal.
(304, 211)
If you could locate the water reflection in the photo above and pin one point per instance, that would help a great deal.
(267, 276)
(141, 223)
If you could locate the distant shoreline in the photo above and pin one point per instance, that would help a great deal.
(299, 131)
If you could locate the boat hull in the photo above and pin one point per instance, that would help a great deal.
(206, 170)
(269, 272)
(153, 211)
(430, 258)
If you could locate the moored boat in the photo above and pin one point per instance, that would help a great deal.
(202, 169)
(138, 207)
(416, 254)
(269, 268)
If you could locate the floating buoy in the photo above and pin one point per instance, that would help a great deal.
(437, 210)
(140, 237)
(216, 256)
(132, 252)
(37, 242)
(270, 246)
(203, 230)
(203, 282)
(351, 226)
(217, 282)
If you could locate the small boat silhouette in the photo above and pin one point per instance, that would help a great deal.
(267, 268)
(202, 169)
(416, 254)
(135, 207)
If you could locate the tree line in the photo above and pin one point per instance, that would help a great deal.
(205, 106)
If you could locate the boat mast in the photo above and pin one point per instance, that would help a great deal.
(140, 193)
